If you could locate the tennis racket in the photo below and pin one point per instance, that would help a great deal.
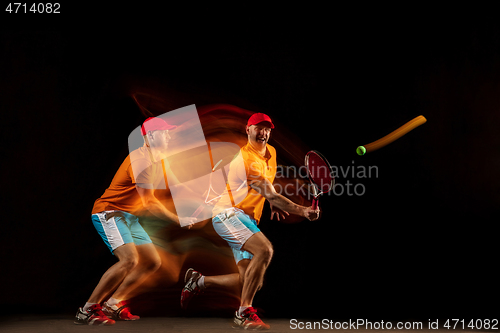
(320, 175)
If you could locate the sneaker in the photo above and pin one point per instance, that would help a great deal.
(249, 320)
(191, 287)
(120, 311)
(93, 316)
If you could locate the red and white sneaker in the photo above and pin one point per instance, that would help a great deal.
(93, 316)
(249, 320)
(191, 287)
(120, 311)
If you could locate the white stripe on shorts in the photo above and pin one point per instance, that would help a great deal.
(111, 230)
(238, 230)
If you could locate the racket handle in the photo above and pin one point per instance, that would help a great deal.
(315, 202)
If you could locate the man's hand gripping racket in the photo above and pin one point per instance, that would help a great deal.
(320, 175)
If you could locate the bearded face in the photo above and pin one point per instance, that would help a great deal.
(158, 140)
(258, 135)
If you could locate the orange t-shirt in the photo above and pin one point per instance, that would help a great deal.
(138, 168)
(256, 167)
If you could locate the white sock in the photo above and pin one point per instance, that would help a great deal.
(113, 301)
(87, 306)
(201, 282)
(242, 308)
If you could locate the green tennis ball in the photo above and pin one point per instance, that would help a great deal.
(361, 150)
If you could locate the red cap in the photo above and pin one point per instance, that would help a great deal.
(257, 118)
(155, 124)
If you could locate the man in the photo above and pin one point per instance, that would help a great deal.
(237, 223)
(116, 214)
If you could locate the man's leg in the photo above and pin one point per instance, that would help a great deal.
(117, 305)
(148, 262)
(91, 313)
(253, 277)
(251, 270)
(237, 280)
(197, 282)
(128, 259)
(228, 281)
(232, 281)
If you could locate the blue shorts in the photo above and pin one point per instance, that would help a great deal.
(117, 228)
(235, 227)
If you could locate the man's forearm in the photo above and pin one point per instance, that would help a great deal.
(286, 204)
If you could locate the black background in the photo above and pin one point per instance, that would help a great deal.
(420, 243)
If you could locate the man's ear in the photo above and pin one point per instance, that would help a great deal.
(248, 130)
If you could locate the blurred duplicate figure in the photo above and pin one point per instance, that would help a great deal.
(116, 215)
(238, 223)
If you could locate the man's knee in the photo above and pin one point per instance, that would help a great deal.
(130, 262)
(128, 256)
(265, 252)
(153, 265)
(149, 259)
(260, 247)
(268, 252)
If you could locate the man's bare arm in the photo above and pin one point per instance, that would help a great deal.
(154, 205)
(266, 189)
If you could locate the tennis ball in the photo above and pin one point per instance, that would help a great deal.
(361, 150)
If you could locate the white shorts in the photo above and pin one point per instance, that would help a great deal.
(235, 227)
(117, 228)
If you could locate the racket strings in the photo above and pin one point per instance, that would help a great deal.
(319, 172)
